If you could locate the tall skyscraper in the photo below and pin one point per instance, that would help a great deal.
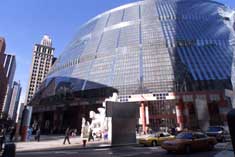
(3, 79)
(19, 113)
(14, 103)
(2, 45)
(9, 65)
(42, 60)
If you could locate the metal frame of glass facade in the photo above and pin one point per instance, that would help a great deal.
(153, 46)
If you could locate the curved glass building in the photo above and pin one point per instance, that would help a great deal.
(172, 53)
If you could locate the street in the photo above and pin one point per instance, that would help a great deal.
(115, 152)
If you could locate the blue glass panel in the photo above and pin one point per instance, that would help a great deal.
(190, 65)
(214, 68)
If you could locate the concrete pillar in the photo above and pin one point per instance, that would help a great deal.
(202, 111)
(223, 109)
(26, 121)
(186, 114)
(143, 117)
(109, 119)
(40, 120)
(147, 115)
(231, 95)
(17, 130)
(40, 117)
(60, 120)
(55, 120)
(180, 114)
(233, 102)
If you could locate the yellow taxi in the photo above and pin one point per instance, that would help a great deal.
(155, 139)
(190, 141)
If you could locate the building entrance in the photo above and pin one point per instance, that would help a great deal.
(162, 114)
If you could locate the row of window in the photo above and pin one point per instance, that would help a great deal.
(195, 64)
(162, 11)
(204, 32)
(207, 63)
(185, 10)
(106, 46)
(44, 50)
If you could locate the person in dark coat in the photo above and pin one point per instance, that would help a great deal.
(173, 131)
(90, 135)
(67, 134)
(37, 136)
(12, 133)
(2, 138)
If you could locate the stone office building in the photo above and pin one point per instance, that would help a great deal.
(42, 60)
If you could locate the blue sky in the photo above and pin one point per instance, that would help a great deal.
(24, 22)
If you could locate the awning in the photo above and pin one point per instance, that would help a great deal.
(64, 90)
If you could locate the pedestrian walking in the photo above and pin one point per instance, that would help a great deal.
(67, 134)
(12, 133)
(90, 135)
(29, 133)
(37, 136)
(74, 133)
(105, 134)
(99, 135)
(84, 132)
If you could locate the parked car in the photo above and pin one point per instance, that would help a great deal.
(218, 132)
(190, 141)
(155, 139)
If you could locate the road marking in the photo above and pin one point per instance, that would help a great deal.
(136, 154)
(101, 149)
(65, 152)
(34, 153)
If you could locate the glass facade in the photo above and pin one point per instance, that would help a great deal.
(153, 46)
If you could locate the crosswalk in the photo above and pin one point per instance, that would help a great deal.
(113, 152)
(109, 152)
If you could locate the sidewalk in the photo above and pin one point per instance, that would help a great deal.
(56, 143)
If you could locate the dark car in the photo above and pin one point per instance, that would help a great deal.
(218, 132)
(190, 141)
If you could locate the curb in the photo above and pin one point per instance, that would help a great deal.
(78, 148)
